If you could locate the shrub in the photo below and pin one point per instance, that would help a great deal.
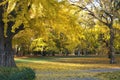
(17, 74)
(3, 77)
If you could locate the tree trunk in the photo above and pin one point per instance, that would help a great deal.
(6, 52)
(111, 47)
(78, 53)
(2, 53)
(9, 53)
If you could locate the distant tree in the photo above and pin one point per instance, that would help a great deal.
(23, 39)
(104, 11)
(38, 45)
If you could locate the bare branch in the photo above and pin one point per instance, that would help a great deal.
(78, 6)
(102, 16)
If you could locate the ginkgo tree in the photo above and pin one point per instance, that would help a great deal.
(104, 11)
(13, 18)
(16, 15)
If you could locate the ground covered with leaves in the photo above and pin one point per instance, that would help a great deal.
(72, 68)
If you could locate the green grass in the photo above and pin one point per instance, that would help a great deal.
(108, 76)
(63, 68)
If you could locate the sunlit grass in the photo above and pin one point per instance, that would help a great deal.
(108, 76)
(52, 68)
(67, 62)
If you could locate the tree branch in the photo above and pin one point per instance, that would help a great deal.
(21, 27)
(90, 13)
(3, 2)
(9, 29)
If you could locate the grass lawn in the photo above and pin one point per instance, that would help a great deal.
(70, 68)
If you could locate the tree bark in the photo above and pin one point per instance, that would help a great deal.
(1, 46)
(9, 53)
(6, 52)
(111, 54)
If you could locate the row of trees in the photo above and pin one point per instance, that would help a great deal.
(59, 24)
(87, 40)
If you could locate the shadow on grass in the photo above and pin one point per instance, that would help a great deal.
(69, 59)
